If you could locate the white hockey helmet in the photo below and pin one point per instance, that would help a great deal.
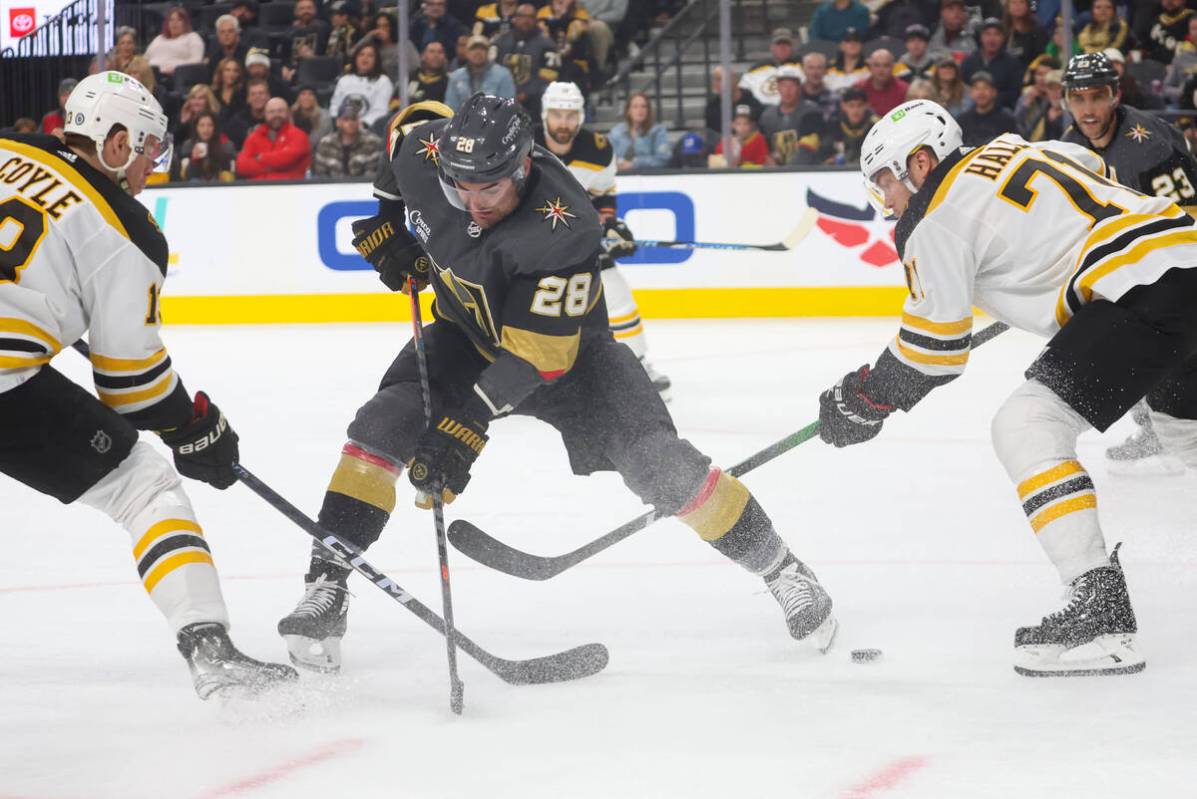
(899, 134)
(562, 96)
(113, 98)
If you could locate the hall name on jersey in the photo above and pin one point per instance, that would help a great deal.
(40, 185)
(993, 158)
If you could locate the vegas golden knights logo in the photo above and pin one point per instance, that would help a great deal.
(471, 297)
(520, 66)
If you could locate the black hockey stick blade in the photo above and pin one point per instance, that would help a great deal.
(476, 544)
(572, 664)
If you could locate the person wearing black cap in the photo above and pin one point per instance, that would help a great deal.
(896, 17)
(509, 242)
(849, 127)
(952, 35)
(1004, 70)
(794, 128)
(349, 151)
(918, 60)
(849, 67)
(833, 17)
(986, 119)
(749, 148)
(760, 79)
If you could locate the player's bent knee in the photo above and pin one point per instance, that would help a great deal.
(1034, 425)
(390, 422)
(143, 481)
(662, 469)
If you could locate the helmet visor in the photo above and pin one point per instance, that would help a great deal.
(159, 151)
(877, 197)
(478, 198)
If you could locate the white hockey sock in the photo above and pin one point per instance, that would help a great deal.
(1034, 435)
(622, 313)
(144, 495)
(1178, 436)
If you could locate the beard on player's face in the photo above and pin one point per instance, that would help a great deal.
(563, 134)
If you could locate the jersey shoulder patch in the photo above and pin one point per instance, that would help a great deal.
(422, 142)
(591, 150)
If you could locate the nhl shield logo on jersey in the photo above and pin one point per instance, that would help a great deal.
(430, 150)
(1138, 133)
(101, 442)
(556, 211)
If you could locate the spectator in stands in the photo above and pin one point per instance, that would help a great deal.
(986, 119)
(814, 84)
(952, 35)
(1105, 29)
(1026, 38)
(918, 60)
(567, 20)
(200, 99)
(251, 115)
(530, 57)
(714, 110)
(884, 91)
(749, 148)
(23, 125)
(1183, 66)
(342, 34)
(1167, 30)
(920, 89)
(227, 43)
(1132, 93)
(176, 44)
(833, 17)
(276, 149)
(349, 151)
(308, 115)
(849, 126)
(849, 67)
(949, 88)
(246, 14)
(494, 19)
(257, 65)
(479, 74)
(308, 35)
(139, 68)
(1062, 45)
(432, 79)
(992, 57)
(895, 17)
(760, 79)
(365, 82)
(54, 120)
(794, 128)
(228, 84)
(639, 141)
(690, 152)
(207, 155)
(434, 24)
(459, 59)
(569, 26)
(384, 38)
(611, 15)
(1039, 112)
(123, 49)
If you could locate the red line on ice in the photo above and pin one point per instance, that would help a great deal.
(276, 773)
(885, 778)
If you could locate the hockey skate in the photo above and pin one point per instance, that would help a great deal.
(660, 382)
(806, 604)
(1094, 634)
(313, 631)
(1142, 454)
(216, 665)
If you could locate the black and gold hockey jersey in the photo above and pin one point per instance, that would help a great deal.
(79, 255)
(526, 291)
(1149, 154)
(591, 159)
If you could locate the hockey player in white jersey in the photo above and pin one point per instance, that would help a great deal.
(79, 255)
(591, 159)
(1038, 237)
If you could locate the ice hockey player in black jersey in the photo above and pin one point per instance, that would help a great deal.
(88, 258)
(1150, 155)
(591, 159)
(509, 242)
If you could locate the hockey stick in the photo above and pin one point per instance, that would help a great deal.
(572, 664)
(475, 543)
(456, 688)
(805, 224)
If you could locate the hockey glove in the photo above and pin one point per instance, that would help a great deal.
(846, 414)
(206, 447)
(446, 451)
(619, 241)
(392, 250)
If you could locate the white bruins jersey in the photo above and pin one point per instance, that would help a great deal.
(591, 160)
(1029, 233)
(79, 255)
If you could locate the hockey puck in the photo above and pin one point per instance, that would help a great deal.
(865, 655)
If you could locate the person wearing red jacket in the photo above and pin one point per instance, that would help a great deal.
(276, 149)
(750, 148)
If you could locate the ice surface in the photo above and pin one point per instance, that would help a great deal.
(918, 536)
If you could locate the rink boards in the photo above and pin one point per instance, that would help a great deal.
(282, 253)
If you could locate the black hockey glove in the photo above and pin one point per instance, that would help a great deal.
(206, 447)
(392, 250)
(447, 450)
(846, 414)
(618, 239)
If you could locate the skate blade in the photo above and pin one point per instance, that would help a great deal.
(1106, 655)
(823, 636)
(311, 654)
(1151, 466)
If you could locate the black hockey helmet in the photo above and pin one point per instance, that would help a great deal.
(1087, 70)
(486, 140)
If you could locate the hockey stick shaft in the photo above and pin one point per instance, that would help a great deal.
(805, 225)
(571, 664)
(456, 688)
(477, 544)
